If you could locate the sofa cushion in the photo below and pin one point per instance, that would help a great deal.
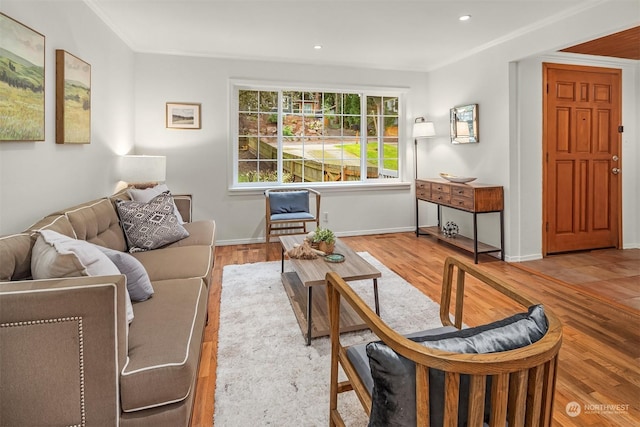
(15, 256)
(150, 225)
(138, 282)
(164, 345)
(177, 262)
(56, 256)
(55, 222)
(393, 395)
(146, 194)
(97, 222)
(200, 233)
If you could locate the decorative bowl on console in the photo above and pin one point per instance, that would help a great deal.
(457, 179)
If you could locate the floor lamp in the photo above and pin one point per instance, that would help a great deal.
(422, 129)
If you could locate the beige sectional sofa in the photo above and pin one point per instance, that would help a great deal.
(68, 355)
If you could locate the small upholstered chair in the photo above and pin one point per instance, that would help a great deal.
(502, 373)
(289, 210)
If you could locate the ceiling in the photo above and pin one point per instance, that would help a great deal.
(623, 44)
(394, 34)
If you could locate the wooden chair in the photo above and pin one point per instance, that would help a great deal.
(289, 210)
(515, 386)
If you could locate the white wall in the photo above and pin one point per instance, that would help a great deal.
(476, 80)
(506, 81)
(36, 178)
(198, 160)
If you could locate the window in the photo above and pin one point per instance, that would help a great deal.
(289, 136)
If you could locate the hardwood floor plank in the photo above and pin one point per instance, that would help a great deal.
(600, 357)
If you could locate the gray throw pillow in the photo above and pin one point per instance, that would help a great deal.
(289, 202)
(150, 225)
(138, 282)
(394, 382)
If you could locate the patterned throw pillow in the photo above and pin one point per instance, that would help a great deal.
(146, 194)
(150, 225)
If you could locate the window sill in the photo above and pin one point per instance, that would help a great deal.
(325, 188)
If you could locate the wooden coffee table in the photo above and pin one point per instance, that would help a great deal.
(305, 286)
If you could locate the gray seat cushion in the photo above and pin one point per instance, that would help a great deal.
(177, 262)
(292, 216)
(357, 355)
(164, 345)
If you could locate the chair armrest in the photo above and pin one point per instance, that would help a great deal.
(184, 203)
(486, 279)
(62, 346)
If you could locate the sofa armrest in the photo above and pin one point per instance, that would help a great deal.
(184, 204)
(62, 346)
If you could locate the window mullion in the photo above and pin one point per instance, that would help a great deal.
(363, 137)
(380, 139)
(280, 138)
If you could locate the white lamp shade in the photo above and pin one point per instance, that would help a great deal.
(423, 130)
(137, 169)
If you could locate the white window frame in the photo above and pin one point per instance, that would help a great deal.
(236, 85)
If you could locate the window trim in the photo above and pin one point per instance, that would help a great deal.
(235, 85)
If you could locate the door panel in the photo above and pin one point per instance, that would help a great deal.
(581, 200)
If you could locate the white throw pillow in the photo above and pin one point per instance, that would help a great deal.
(145, 195)
(57, 256)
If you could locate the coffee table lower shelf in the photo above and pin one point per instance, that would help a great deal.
(298, 295)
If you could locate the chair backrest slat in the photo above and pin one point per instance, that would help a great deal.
(451, 398)
(477, 391)
(422, 395)
(517, 398)
(499, 400)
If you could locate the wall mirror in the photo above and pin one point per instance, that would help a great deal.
(464, 124)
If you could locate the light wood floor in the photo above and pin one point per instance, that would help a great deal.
(600, 356)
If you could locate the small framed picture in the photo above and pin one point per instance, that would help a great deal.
(183, 115)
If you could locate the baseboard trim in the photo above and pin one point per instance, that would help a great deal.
(260, 239)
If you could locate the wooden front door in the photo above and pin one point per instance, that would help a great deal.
(581, 164)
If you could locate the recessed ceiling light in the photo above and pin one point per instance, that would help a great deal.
(465, 17)
(317, 47)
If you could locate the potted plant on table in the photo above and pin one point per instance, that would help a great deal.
(325, 239)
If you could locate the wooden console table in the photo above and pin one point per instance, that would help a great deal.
(471, 197)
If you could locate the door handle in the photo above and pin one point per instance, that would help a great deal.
(615, 171)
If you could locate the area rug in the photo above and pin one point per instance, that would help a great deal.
(266, 375)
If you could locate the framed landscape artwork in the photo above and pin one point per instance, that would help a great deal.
(73, 99)
(183, 116)
(21, 82)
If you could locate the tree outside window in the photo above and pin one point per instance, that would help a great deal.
(290, 136)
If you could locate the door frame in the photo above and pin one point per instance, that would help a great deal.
(545, 145)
